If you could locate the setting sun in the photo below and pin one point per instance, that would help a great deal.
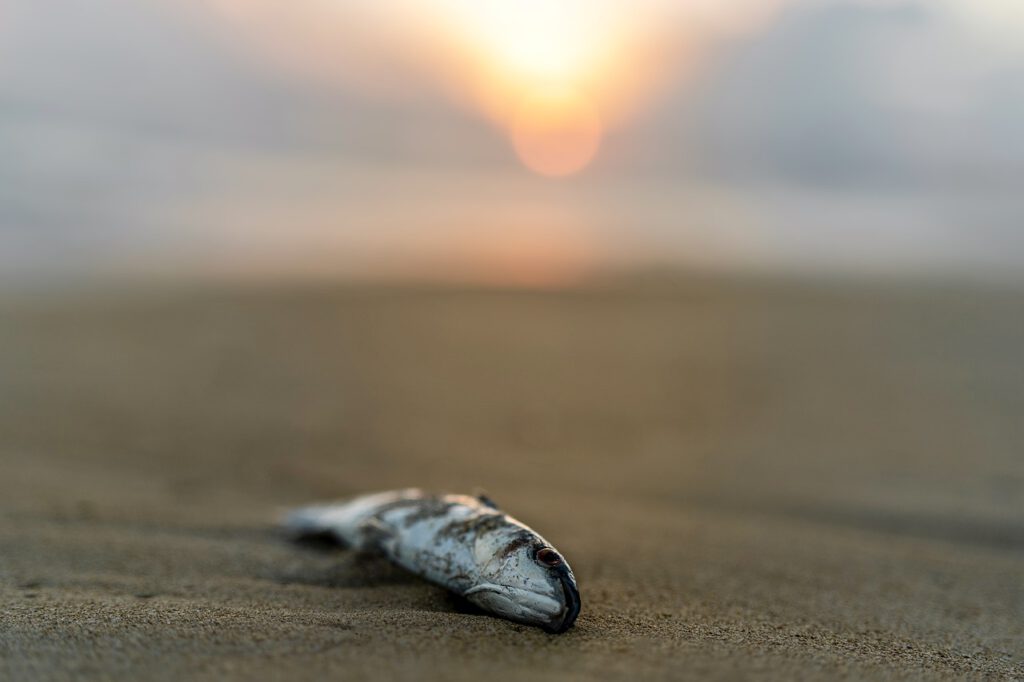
(556, 132)
(544, 72)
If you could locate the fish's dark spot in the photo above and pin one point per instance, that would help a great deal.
(456, 529)
(428, 508)
(516, 544)
(462, 529)
(488, 522)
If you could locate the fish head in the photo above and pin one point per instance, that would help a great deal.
(525, 579)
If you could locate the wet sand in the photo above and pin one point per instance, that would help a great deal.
(751, 480)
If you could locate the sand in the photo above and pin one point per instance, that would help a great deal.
(751, 480)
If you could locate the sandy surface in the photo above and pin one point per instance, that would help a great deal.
(767, 482)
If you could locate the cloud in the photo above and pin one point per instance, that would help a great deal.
(855, 94)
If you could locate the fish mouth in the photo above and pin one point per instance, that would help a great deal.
(572, 605)
(530, 607)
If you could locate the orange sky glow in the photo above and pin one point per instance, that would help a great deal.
(553, 77)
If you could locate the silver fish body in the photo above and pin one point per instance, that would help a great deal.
(460, 542)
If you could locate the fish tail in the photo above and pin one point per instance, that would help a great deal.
(341, 522)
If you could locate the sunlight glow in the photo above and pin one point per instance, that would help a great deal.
(539, 40)
(601, 58)
(539, 69)
(502, 58)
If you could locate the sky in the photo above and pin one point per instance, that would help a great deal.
(533, 143)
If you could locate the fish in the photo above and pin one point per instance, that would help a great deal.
(463, 543)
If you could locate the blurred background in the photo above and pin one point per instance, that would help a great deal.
(762, 253)
(399, 139)
(724, 297)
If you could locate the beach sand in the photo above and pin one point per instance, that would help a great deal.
(752, 480)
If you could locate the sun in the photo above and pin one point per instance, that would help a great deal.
(540, 70)
(556, 132)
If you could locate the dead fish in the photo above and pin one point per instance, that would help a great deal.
(461, 542)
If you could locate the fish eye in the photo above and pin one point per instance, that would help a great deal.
(548, 557)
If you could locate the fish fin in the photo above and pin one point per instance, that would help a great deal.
(482, 587)
(485, 499)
